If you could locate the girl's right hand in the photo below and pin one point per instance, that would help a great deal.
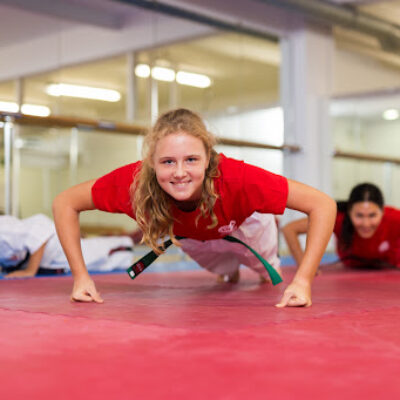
(297, 294)
(85, 290)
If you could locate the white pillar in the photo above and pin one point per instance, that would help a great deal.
(16, 169)
(153, 100)
(130, 88)
(16, 154)
(73, 156)
(19, 92)
(8, 147)
(306, 81)
(173, 94)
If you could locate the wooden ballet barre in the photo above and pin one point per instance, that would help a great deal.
(102, 230)
(243, 143)
(365, 157)
(73, 122)
(108, 126)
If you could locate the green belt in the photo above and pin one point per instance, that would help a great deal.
(139, 266)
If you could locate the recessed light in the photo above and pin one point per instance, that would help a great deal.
(390, 114)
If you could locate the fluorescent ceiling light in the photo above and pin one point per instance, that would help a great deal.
(84, 92)
(27, 109)
(391, 114)
(31, 109)
(163, 74)
(168, 75)
(190, 79)
(142, 71)
(8, 106)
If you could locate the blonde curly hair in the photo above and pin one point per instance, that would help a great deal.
(151, 204)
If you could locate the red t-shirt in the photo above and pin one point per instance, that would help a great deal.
(383, 246)
(242, 189)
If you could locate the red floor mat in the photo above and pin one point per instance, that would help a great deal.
(182, 336)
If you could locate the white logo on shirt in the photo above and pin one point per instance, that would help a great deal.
(226, 229)
(384, 246)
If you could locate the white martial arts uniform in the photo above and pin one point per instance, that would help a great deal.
(20, 237)
(258, 231)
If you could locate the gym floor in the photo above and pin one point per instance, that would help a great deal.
(181, 335)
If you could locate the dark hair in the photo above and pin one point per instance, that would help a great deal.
(359, 193)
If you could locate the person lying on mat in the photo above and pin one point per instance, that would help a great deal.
(31, 245)
(367, 233)
(184, 188)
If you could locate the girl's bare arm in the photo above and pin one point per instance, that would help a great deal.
(321, 211)
(291, 232)
(66, 209)
(32, 267)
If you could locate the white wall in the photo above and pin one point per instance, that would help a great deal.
(43, 177)
(357, 73)
(262, 126)
(376, 137)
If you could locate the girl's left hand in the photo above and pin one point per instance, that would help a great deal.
(297, 294)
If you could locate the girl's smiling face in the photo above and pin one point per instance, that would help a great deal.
(180, 162)
(365, 217)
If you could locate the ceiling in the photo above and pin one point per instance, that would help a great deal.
(236, 63)
(385, 10)
(23, 20)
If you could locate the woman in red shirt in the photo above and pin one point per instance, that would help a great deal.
(367, 233)
(183, 187)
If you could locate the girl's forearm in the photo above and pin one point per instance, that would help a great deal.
(293, 243)
(34, 260)
(321, 222)
(66, 209)
(68, 231)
